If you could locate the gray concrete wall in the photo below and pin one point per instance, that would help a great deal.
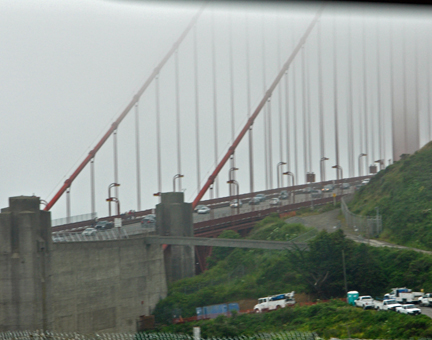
(24, 265)
(174, 218)
(105, 285)
(84, 287)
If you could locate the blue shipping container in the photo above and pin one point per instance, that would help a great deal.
(213, 311)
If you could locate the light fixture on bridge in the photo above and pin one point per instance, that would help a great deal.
(112, 185)
(114, 199)
(279, 177)
(174, 178)
(322, 169)
(233, 181)
(338, 167)
(359, 164)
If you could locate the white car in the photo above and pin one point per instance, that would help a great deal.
(274, 201)
(89, 232)
(236, 204)
(204, 210)
(408, 309)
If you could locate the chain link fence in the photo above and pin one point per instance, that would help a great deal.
(73, 219)
(368, 226)
(46, 335)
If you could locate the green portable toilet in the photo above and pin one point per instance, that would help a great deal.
(352, 296)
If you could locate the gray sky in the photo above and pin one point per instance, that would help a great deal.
(69, 68)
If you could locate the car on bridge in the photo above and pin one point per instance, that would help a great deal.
(274, 201)
(261, 197)
(345, 186)
(203, 210)
(198, 207)
(328, 188)
(148, 221)
(283, 195)
(236, 204)
(103, 225)
(254, 201)
(89, 232)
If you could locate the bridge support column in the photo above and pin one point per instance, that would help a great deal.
(174, 218)
(25, 265)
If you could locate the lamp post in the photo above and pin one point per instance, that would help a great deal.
(174, 178)
(322, 172)
(230, 177)
(289, 173)
(233, 181)
(381, 163)
(112, 185)
(359, 164)
(114, 199)
(278, 173)
(338, 167)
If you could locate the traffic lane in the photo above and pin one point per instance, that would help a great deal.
(426, 311)
(228, 211)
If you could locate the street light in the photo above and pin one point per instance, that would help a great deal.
(289, 173)
(322, 172)
(381, 163)
(359, 167)
(114, 199)
(233, 181)
(278, 173)
(112, 185)
(338, 167)
(174, 178)
(230, 178)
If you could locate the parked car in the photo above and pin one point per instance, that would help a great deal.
(261, 197)
(254, 201)
(365, 302)
(203, 210)
(89, 232)
(283, 195)
(236, 204)
(274, 201)
(328, 188)
(425, 300)
(408, 309)
(103, 225)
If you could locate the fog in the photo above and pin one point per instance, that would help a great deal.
(69, 69)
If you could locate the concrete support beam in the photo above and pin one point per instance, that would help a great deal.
(219, 242)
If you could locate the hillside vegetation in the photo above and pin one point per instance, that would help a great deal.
(403, 194)
(252, 273)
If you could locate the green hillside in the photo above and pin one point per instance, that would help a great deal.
(403, 194)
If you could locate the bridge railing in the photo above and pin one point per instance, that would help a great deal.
(73, 219)
(368, 226)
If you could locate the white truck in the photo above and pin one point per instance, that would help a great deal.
(365, 302)
(274, 302)
(404, 295)
(426, 300)
(389, 304)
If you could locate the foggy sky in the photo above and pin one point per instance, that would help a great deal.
(68, 69)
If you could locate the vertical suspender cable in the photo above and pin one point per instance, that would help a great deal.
(428, 74)
(381, 139)
(404, 85)
(214, 103)
(287, 126)
(230, 33)
(321, 102)
(365, 103)
(138, 171)
(197, 139)
(308, 111)
(158, 134)
(350, 103)
(303, 66)
(392, 90)
(179, 170)
(250, 135)
(115, 163)
(280, 99)
(269, 133)
(335, 97)
(92, 187)
(295, 115)
(417, 95)
(266, 147)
